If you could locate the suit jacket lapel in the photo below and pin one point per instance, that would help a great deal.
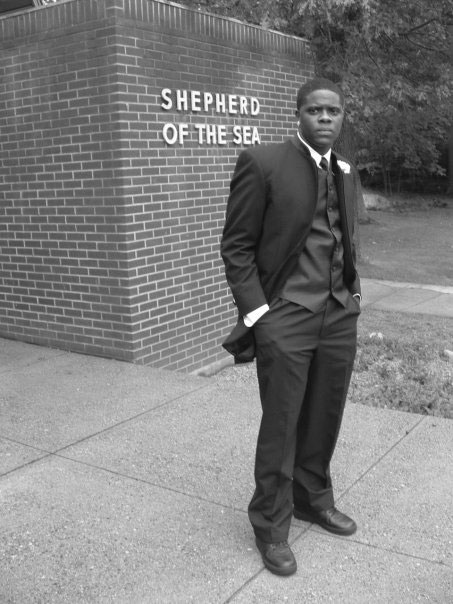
(345, 190)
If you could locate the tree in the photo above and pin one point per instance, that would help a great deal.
(394, 63)
(450, 138)
(450, 162)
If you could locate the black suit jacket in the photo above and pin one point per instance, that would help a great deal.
(270, 210)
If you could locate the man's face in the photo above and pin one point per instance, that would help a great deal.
(321, 117)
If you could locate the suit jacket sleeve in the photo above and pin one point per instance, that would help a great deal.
(355, 286)
(242, 231)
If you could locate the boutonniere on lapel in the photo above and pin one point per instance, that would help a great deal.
(344, 167)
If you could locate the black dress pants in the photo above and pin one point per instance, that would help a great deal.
(304, 366)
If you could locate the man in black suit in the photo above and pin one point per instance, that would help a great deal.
(288, 249)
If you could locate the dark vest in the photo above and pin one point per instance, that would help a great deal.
(319, 271)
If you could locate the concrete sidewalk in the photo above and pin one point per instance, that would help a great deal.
(126, 484)
(408, 297)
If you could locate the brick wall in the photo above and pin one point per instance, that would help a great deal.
(109, 230)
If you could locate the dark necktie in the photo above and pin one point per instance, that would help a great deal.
(323, 164)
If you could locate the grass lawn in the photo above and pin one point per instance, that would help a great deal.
(404, 367)
(409, 244)
(400, 361)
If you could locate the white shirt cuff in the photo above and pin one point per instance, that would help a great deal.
(252, 317)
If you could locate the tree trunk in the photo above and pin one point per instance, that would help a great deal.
(450, 163)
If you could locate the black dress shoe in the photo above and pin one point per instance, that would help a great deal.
(332, 520)
(277, 557)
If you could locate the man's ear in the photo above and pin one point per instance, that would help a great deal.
(297, 113)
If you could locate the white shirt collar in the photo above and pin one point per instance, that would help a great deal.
(314, 154)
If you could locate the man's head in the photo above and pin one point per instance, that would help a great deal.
(320, 111)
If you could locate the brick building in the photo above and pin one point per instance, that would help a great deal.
(120, 124)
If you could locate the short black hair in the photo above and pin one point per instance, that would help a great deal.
(317, 84)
